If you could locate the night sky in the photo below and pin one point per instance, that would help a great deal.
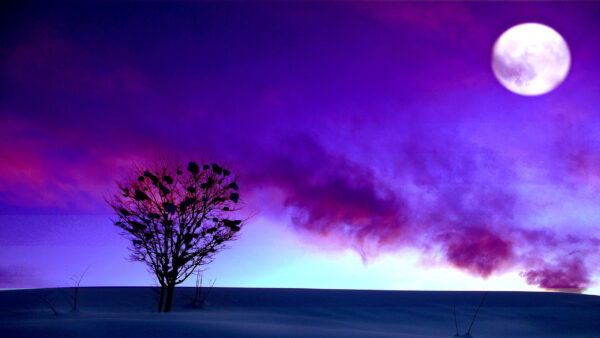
(375, 147)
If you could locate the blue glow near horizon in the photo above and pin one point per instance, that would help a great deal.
(280, 260)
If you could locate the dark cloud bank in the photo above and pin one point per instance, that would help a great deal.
(459, 208)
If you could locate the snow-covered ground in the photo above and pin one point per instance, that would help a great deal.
(240, 312)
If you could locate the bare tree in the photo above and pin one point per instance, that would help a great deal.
(455, 322)
(177, 219)
(46, 298)
(201, 295)
(76, 279)
(468, 334)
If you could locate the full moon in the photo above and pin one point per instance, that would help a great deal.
(531, 59)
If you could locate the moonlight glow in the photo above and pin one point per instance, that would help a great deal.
(531, 59)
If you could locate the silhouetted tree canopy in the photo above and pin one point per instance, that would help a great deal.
(177, 218)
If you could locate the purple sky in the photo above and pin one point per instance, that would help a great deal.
(371, 127)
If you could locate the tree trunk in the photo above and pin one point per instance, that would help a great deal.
(160, 301)
(75, 294)
(170, 290)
